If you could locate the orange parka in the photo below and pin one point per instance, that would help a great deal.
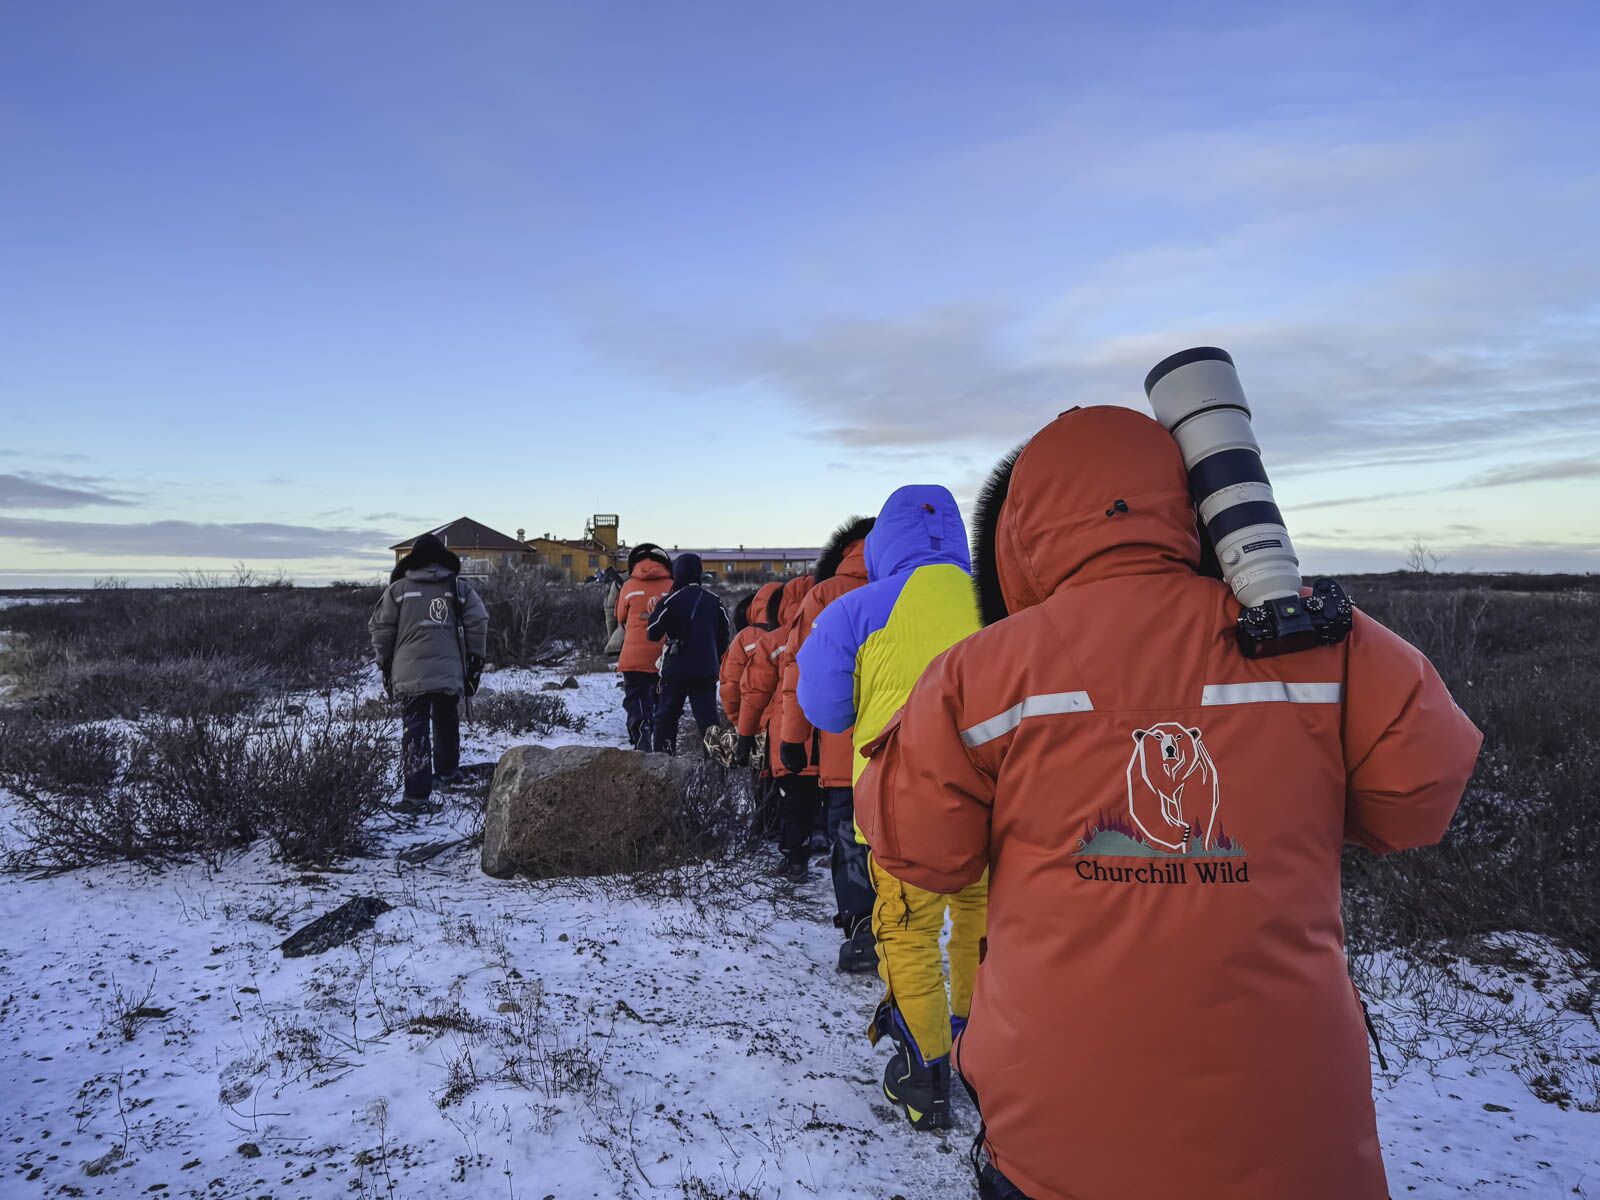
(740, 649)
(645, 585)
(841, 568)
(760, 702)
(1165, 1007)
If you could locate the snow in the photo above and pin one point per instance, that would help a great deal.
(575, 1040)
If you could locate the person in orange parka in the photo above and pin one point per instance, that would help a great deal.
(841, 568)
(759, 707)
(649, 579)
(751, 619)
(1156, 1014)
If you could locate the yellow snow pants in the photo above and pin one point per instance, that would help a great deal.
(908, 922)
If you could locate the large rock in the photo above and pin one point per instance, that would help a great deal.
(578, 810)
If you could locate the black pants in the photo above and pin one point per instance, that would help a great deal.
(639, 703)
(701, 694)
(766, 812)
(994, 1186)
(422, 755)
(852, 883)
(798, 797)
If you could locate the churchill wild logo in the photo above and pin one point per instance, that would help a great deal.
(439, 611)
(1174, 795)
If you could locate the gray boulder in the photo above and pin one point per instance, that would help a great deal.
(579, 810)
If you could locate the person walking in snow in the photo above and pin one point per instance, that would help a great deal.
(694, 626)
(429, 634)
(649, 579)
(841, 568)
(859, 661)
(1165, 1007)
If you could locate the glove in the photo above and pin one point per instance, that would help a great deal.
(474, 674)
(742, 752)
(793, 756)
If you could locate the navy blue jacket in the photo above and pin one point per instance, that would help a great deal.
(694, 623)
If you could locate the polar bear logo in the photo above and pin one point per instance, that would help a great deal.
(439, 611)
(1172, 787)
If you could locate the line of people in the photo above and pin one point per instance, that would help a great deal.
(1055, 747)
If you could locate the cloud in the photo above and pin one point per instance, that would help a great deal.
(1535, 472)
(190, 539)
(54, 491)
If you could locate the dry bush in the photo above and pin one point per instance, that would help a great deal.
(194, 786)
(525, 712)
(1523, 853)
(537, 617)
(124, 652)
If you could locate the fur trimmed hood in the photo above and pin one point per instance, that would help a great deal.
(852, 531)
(427, 551)
(985, 523)
(648, 550)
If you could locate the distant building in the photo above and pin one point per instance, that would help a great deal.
(754, 561)
(481, 548)
(599, 547)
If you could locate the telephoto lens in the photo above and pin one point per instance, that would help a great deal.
(1196, 394)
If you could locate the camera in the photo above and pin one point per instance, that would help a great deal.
(1197, 396)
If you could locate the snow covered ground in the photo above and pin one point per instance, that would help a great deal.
(574, 1040)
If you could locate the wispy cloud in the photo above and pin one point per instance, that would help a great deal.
(190, 539)
(52, 492)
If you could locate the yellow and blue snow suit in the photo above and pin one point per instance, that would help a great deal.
(860, 661)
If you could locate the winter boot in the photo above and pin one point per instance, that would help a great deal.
(920, 1091)
(859, 954)
(794, 870)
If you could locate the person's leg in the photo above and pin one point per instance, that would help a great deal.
(969, 930)
(703, 699)
(446, 734)
(766, 811)
(669, 714)
(416, 753)
(798, 798)
(639, 703)
(852, 885)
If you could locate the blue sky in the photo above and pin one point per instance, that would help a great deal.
(284, 283)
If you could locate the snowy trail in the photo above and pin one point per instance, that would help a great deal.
(506, 1039)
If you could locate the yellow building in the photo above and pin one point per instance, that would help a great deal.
(754, 562)
(579, 558)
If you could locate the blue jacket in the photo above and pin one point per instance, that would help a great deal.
(868, 648)
(694, 623)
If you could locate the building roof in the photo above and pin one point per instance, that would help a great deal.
(466, 534)
(754, 553)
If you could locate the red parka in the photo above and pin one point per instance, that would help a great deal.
(1165, 1008)
(643, 588)
(760, 701)
(740, 649)
(835, 757)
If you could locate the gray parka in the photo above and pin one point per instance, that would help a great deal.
(414, 629)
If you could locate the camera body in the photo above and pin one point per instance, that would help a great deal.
(1197, 395)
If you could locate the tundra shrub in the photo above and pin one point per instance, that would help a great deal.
(536, 619)
(124, 652)
(525, 712)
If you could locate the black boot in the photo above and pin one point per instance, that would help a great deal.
(859, 954)
(794, 870)
(921, 1092)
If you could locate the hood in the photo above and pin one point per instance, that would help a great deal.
(844, 546)
(741, 614)
(793, 593)
(650, 568)
(648, 550)
(686, 569)
(764, 605)
(426, 551)
(919, 525)
(1049, 518)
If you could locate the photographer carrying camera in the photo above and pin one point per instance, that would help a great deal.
(1164, 1006)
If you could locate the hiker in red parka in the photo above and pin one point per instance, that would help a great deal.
(1164, 1007)
(649, 579)
(760, 615)
(841, 568)
(760, 704)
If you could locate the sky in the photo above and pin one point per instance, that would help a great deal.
(283, 284)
